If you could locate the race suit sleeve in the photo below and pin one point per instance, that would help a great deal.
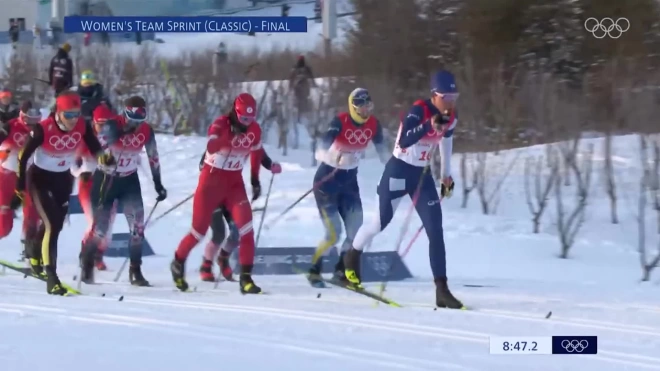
(152, 154)
(214, 134)
(33, 142)
(266, 161)
(447, 146)
(413, 128)
(92, 142)
(379, 143)
(256, 156)
(328, 138)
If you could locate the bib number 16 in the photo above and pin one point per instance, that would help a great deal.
(425, 156)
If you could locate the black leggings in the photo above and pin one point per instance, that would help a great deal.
(50, 192)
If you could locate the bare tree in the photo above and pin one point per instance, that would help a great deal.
(489, 194)
(648, 187)
(537, 195)
(469, 177)
(569, 222)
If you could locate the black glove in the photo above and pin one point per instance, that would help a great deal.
(162, 192)
(256, 189)
(439, 121)
(79, 161)
(16, 201)
(447, 187)
(107, 159)
(86, 176)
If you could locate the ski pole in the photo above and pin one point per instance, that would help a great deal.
(125, 263)
(161, 216)
(315, 187)
(263, 215)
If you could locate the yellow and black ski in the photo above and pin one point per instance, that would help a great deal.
(27, 272)
(357, 290)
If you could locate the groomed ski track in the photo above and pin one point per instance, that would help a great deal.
(292, 327)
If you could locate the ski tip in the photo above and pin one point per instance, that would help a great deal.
(548, 315)
(121, 298)
(318, 296)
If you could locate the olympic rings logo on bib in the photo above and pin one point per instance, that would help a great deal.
(65, 141)
(19, 139)
(132, 140)
(358, 136)
(243, 140)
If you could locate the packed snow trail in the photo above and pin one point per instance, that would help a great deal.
(511, 277)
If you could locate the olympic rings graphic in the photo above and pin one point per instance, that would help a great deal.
(19, 139)
(605, 27)
(577, 346)
(65, 141)
(243, 140)
(358, 136)
(133, 140)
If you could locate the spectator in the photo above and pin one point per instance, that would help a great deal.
(14, 33)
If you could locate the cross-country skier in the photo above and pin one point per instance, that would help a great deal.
(82, 169)
(232, 139)
(9, 109)
(124, 136)
(337, 192)
(60, 72)
(13, 135)
(218, 233)
(91, 93)
(54, 143)
(429, 122)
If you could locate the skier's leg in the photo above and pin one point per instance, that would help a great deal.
(212, 247)
(31, 223)
(50, 193)
(7, 184)
(208, 196)
(239, 207)
(131, 200)
(231, 244)
(391, 188)
(430, 212)
(350, 209)
(103, 194)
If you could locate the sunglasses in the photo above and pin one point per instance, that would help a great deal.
(70, 115)
(448, 97)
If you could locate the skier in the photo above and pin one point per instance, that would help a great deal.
(125, 136)
(428, 123)
(91, 94)
(60, 73)
(218, 233)
(83, 168)
(337, 192)
(9, 109)
(13, 135)
(54, 143)
(232, 139)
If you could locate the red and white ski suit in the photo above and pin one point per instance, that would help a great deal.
(221, 185)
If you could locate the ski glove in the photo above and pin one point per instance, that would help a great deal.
(107, 159)
(17, 200)
(275, 168)
(440, 121)
(447, 187)
(86, 176)
(162, 192)
(256, 189)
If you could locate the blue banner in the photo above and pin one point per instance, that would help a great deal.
(73, 24)
(375, 266)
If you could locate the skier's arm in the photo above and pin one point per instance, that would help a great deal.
(201, 161)
(152, 154)
(446, 146)
(266, 161)
(111, 132)
(256, 156)
(330, 135)
(214, 135)
(33, 142)
(4, 131)
(92, 142)
(412, 127)
(379, 143)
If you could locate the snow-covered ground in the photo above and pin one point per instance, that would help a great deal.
(595, 292)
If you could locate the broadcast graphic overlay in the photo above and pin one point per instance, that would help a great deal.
(529, 345)
(79, 24)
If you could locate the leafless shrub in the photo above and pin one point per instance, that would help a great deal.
(469, 176)
(569, 221)
(649, 186)
(539, 184)
(491, 175)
